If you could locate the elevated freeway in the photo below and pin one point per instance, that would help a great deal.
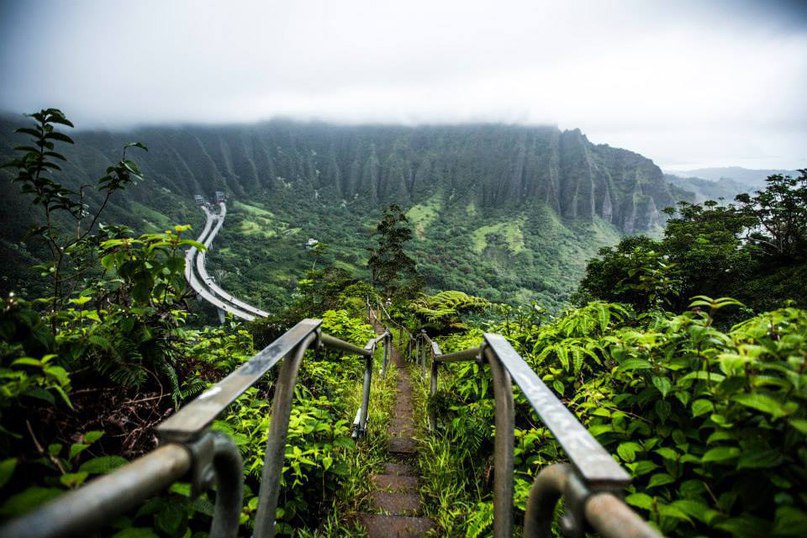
(202, 283)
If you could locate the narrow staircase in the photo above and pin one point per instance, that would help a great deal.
(395, 498)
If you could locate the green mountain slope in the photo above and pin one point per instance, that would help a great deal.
(507, 212)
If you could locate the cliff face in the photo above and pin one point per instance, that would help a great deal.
(495, 166)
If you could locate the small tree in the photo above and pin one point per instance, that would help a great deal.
(392, 270)
(35, 168)
(779, 215)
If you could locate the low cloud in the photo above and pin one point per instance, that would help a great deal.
(692, 82)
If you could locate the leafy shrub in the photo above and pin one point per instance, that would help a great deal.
(711, 424)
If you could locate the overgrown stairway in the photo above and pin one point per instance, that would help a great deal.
(395, 495)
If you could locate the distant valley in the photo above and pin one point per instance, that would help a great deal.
(510, 213)
(722, 183)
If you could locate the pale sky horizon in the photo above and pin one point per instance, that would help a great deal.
(688, 84)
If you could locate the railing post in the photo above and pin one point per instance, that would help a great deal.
(229, 473)
(432, 394)
(276, 443)
(386, 341)
(365, 396)
(422, 358)
(503, 447)
(546, 491)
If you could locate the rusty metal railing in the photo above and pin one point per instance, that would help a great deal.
(190, 451)
(590, 484)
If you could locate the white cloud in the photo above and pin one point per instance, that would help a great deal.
(683, 82)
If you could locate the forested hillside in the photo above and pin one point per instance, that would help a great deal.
(699, 396)
(505, 212)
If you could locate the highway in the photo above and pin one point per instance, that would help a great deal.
(204, 286)
(208, 280)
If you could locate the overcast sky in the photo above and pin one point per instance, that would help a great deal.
(686, 83)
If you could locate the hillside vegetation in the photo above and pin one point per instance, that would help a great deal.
(463, 186)
(699, 395)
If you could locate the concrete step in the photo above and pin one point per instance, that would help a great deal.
(395, 483)
(400, 469)
(402, 446)
(383, 526)
(396, 504)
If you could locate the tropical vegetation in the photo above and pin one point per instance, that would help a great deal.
(684, 355)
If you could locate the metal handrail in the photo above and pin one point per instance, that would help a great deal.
(589, 485)
(190, 451)
(401, 328)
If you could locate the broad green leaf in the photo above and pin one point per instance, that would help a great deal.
(663, 410)
(800, 424)
(704, 376)
(136, 145)
(697, 509)
(7, 467)
(662, 384)
(766, 404)
(719, 435)
(721, 454)
(643, 467)
(27, 361)
(181, 488)
(640, 500)
(790, 521)
(660, 479)
(667, 453)
(171, 518)
(28, 499)
(670, 510)
(635, 364)
(627, 451)
(76, 449)
(702, 407)
(92, 436)
(103, 464)
(73, 480)
(759, 459)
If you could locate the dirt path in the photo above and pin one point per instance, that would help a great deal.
(395, 498)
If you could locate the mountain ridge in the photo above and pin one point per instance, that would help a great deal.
(499, 165)
(509, 210)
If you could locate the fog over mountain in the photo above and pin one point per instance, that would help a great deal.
(688, 84)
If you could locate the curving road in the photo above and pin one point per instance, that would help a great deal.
(204, 286)
(208, 280)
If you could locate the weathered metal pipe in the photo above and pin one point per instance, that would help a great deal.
(503, 448)
(276, 443)
(365, 395)
(546, 491)
(432, 393)
(471, 354)
(335, 343)
(229, 471)
(82, 511)
(385, 359)
(612, 518)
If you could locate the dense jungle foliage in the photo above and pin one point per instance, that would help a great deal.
(88, 370)
(685, 357)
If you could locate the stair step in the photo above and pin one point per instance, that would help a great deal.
(396, 504)
(401, 422)
(402, 446)
(400, 469)
(395, 483)
(381, 526)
